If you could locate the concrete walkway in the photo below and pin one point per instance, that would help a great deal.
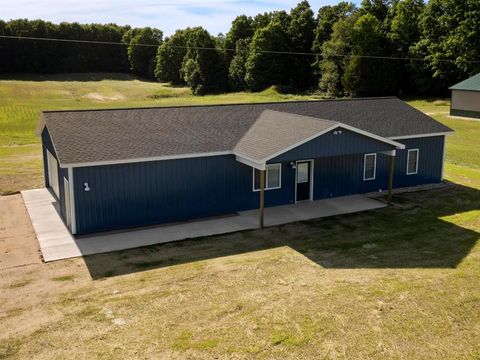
(57, 243)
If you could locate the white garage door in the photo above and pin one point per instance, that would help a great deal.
(53, 173)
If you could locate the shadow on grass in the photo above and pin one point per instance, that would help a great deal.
(422, 230)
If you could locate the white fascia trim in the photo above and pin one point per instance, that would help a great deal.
(156, 158)
(258, 164)
(250, 162)
(337, 125)
(374, 136)
(389, 152)
(421, 135)
(72, 201)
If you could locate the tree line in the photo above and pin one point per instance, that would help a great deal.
(79, 55)
(382, 47)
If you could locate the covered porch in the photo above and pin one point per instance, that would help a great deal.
(290, 158)
(57, 243)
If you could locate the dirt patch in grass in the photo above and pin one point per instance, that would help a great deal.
(18, 243)
(100, 97)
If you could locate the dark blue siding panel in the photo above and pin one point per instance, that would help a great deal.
(429, 164)
(343, 175)
(155, 192)
(346, 143)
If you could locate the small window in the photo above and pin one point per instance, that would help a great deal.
(273, 177)
(412, 162)
(302, 172)
(369, 166)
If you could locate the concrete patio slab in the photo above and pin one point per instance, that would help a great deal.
(57, 243)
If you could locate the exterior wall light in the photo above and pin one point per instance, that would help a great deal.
(293, 165)
(337, 132)
(87, 188)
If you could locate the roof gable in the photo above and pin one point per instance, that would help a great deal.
(471, 84)
(275, 131)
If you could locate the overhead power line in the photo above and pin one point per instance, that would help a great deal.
(230, 50)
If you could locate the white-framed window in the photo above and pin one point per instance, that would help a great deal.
(273, 177)
(369, 166)
(412, 162)
(52, 166)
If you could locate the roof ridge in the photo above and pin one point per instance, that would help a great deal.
(222, 105)
(298, 115)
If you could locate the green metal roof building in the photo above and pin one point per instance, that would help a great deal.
(466, 98)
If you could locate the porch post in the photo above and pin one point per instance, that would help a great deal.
(262, 196)
(391, 161)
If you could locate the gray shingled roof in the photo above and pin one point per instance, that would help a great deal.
(275, 131)
(85, 136)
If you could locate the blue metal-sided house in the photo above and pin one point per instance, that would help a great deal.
(113, 169)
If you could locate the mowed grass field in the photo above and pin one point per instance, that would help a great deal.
(395, 283)
(23, 98)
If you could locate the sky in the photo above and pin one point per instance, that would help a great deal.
(167, 15)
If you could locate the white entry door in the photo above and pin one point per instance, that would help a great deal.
(53, 173)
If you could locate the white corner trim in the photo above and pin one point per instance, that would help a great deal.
(416, 163)
(72, 201)
(374, 166)
(421, 135)
(443, 157)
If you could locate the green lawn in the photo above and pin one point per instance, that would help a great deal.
(463, 147)
(23, 98)
(396, 283)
